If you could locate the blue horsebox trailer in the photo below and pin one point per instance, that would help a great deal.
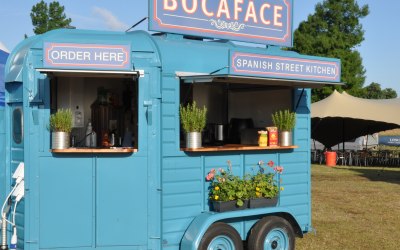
(135, 185)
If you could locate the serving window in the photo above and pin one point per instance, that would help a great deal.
(108, 102)
(236, 111)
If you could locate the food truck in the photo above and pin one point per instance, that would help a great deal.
(145, 189)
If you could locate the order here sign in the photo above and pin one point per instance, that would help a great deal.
(97, 56)
(261, 21)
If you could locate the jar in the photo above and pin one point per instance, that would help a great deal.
(263, 138)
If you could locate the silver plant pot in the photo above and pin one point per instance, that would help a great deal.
(285, 138)
(193, 140)
(59, 140)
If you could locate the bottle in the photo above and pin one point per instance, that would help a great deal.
(93, 139)
(112, 139)
(88, 134)
(14, 239)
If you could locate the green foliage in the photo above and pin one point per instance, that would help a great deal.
(48, 17)
(193, 119)
(61, 121)
(227, 187)
(285, 120)
(334, 30)
(374, 91)
(264, 185)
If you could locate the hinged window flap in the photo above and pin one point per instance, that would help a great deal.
(91, 73)
(254, 80)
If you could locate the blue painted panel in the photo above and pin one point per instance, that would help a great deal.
(121, 201)
(169, 95)
(177, 225)
(2, 155)
(3, 59)
(66, 202)
(169, 122)
(16, 151)
(14, 90)
(297, 199)
(169, 135)
(169, 109)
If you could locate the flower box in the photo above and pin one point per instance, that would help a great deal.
(224, 206)
(263, 202)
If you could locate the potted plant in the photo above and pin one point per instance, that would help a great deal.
(227, 191)
(61, 126)
(193, 121)
(264, 186)
(285, 121)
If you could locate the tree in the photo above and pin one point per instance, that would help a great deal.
(334, 31)
(48, 17)
(374, 91)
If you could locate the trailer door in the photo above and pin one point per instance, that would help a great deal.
(101, 201)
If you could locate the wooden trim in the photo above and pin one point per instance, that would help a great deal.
(234, 147)
(96, 150)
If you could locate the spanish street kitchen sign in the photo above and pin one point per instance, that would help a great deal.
(256, 21)
(93, 56)
(285, 67)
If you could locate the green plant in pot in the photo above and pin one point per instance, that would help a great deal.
(193, 121)
(60, 126)
(285, 121)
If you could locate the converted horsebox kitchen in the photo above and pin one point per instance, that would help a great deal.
(125, 174)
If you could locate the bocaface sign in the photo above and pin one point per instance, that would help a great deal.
(88, 56)
(257, 21)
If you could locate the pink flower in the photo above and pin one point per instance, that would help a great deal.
(278, 169)
(210, 175)
(271, 163)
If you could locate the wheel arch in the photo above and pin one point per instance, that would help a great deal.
(296, 227)
(197, 228)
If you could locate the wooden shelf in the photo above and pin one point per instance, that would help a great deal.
(96, 150)
(234, 147)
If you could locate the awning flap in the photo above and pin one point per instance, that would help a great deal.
(226, 78)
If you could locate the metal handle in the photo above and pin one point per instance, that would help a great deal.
(149, 112)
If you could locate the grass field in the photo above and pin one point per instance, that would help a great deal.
(354, 208)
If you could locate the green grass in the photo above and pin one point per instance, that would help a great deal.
(354, 208)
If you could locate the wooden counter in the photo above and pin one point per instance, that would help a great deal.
(96, 150)
(234, 147)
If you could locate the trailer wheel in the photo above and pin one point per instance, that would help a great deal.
(221, 236)
(271, 232)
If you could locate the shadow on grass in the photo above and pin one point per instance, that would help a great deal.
(389, 175)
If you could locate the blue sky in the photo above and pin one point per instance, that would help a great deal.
(379, 53)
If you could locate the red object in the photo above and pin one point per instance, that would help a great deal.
(272, 136)
(330, 158)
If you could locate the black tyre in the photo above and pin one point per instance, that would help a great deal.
(221, 236)
(271, 232)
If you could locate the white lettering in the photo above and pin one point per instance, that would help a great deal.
(186, 9)
(278, 15)
(204, 8)
(262, 14)
(223, 9)
(251, 13)
(237, 9)
(170, 5)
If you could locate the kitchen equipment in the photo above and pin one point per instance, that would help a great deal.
(219, 133)
(236, 126)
